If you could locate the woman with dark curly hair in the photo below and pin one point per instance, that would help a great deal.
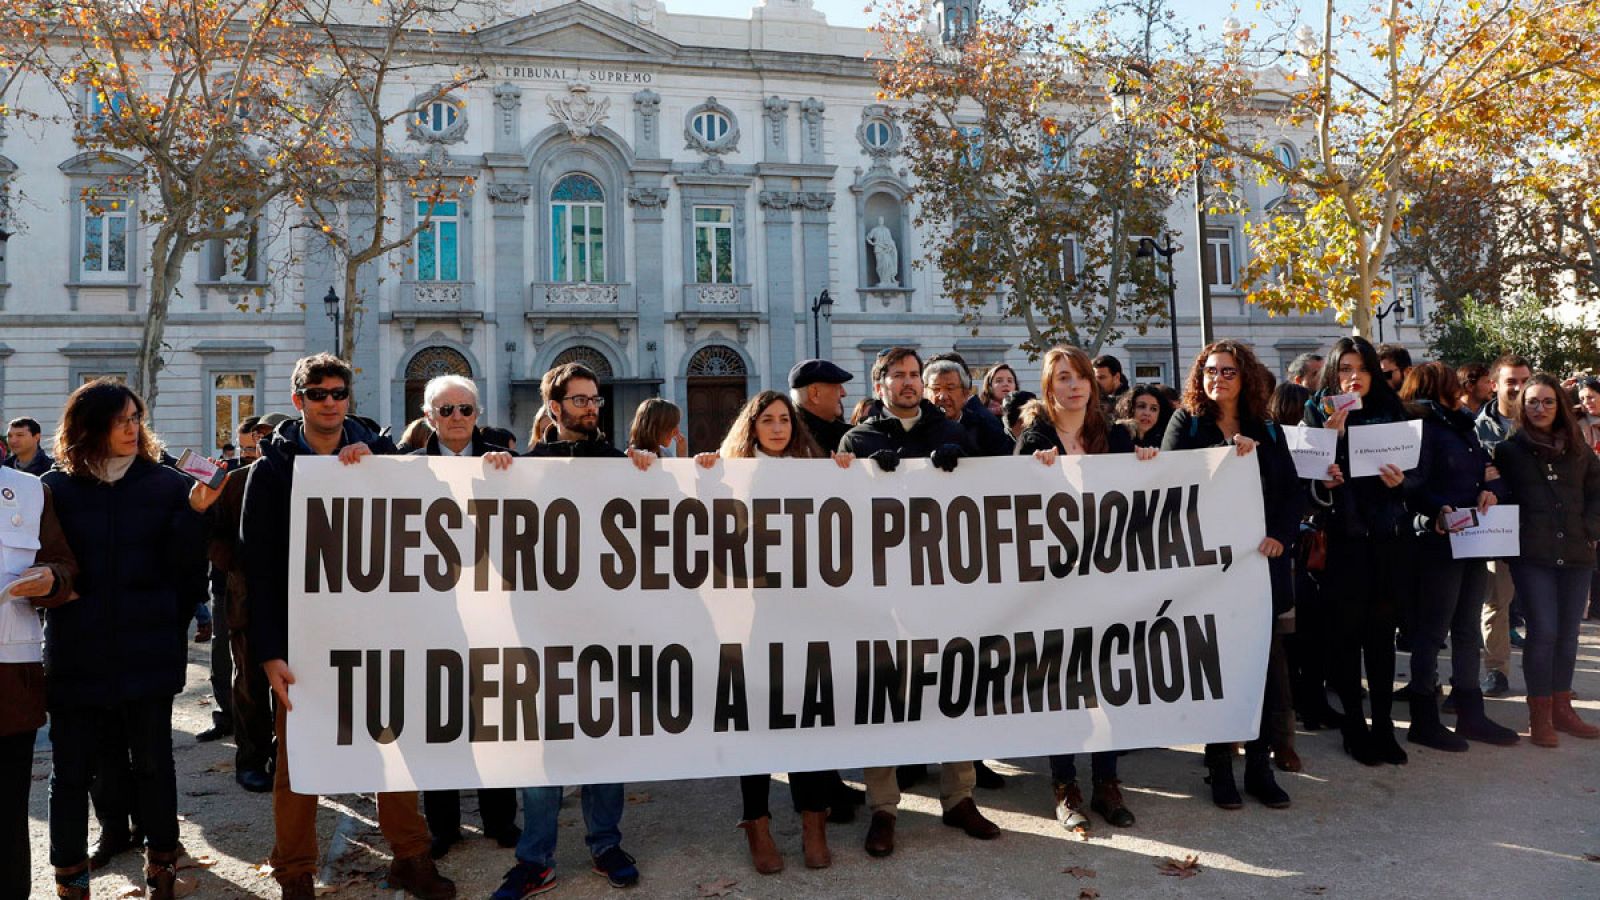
(1225, 403)
(1369, 577)
(1144, 412)
(116, 656)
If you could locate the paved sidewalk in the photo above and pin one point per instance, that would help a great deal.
(1495, 822)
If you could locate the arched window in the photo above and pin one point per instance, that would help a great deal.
(711, 126)
(716, 361)
(577, 230)
(438, 117)
(1285, 154)
(588, 357)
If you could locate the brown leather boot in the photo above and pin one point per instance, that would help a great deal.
(161, 875)
(1565, 718)
(814, 839)
(880, 835)
(1541, 729)
(419, 877)
(72, 882)
(763, 852)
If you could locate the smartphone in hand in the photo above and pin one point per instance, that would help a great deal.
(201, 469)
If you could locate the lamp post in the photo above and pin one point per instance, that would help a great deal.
(821, 308)
(1148, 249)
(330, 301)
(1389, 309)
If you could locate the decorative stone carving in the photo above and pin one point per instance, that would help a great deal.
(811, 110)
(644, 13)
(885, 254)
(717, 295)
(817, 200)
(503, 192)
(508, 100)
(578, 294)
(776, 110)
(713, 145)
(778, 200)
(438, 294)
(879, 135)
(648, 104)
(580, 112)
(647, 198)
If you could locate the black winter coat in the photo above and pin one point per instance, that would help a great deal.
(1040, 434)
(479, 446)
(596, 447)
(141, 555)
(1282, 499)
(264, 528)
(1450, 471)
(1361, 507)
(985, 431)
(884, 432)
(1558, 500)
(828, 434)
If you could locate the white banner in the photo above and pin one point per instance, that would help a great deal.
(1496, 536)
(579, 621)
(1374, 446)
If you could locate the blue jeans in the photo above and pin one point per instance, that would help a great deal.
(1553, 601)
(602, 820)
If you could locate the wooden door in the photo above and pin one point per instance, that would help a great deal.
(713, 405)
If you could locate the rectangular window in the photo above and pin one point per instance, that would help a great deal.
(1068, 263)
(118, 377)
(235, 259)
(102, 106)
(1055, 154)
(105, 239)
(438, 245)
(1409, 291)
(713, 244)
(972, 141)
(577, 236)
(1144, 373)
(233, 399)
(1218, 260)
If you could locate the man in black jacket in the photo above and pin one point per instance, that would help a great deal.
(909, 426)
(949, 387)
(817, 388)
(326, 428)
(912, 427)
(22, 437)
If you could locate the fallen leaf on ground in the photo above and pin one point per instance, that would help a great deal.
(203, 701)
(223, 766)
(1592, 857)
(195, 862)
(1188, 867)
(132, 890)
(1088, 894)
(720, 888)
(264, 869)
(1316, 889)
(1078, 872)
(638, 798)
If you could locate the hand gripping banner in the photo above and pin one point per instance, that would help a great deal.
(580, 621)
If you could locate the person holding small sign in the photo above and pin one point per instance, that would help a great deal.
(1554, 478)
(770, 427)
(1450, 486)
(1070, 419)
(1225, 402)
(1369, 570)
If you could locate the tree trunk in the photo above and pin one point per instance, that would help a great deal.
(167, 254)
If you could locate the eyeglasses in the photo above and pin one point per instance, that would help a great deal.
(584, 401)
(1539, 402)
(125, 421)
(449, 409)
(318, 395)
(1226, 373)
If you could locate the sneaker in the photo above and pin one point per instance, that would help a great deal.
(1495, 684)
(1070, 807)
(525, 880)
(618, 867)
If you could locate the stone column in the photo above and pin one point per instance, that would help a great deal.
(778, 227)
(649, 241)
(508, 201)
(816, 214)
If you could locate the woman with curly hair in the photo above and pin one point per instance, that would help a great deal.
(1225, 403)
(769, 426)
(1144, 412)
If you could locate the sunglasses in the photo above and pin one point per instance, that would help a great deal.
(1226, 373)
(449, 409)
(317, 395)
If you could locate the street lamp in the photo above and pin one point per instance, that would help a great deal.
(1148, 249)
(1389, 309)
(330, 301)
(821, 308)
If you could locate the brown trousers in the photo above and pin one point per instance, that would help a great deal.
(294, 819)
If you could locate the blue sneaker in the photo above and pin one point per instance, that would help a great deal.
(617, 866)
(525, 880)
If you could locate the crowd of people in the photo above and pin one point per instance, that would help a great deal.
(109, 551)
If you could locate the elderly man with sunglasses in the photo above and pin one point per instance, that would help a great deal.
(321, 386)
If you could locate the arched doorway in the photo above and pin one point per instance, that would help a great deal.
(716, 391)
(596, 362)
(428, 364)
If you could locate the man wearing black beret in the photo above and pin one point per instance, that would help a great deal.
(817, 387)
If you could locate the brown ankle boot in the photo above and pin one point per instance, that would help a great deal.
(763, 852)
(1541, 728)
(1565, 718)
(72, 882)
(814, 839)
(419, 877)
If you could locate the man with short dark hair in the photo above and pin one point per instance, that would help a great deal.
(22, 437)
(817, 388)
(1108, 374)
(1395, 361)
(322, 386)
(1477, 386)
(1511, 372)
(572, 398)
(1306, 371)
(911, 427)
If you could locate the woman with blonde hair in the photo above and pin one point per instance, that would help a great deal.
(769, 426)
(1068, 419)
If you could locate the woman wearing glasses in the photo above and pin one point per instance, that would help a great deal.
(117, 655)
(1554, 478)
(1368, 579)
(1225, 402)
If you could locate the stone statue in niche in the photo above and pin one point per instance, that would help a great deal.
(885, 254)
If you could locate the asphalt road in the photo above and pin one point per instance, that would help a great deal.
(1517, 822)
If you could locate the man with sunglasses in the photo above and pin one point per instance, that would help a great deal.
(325, 428)
(572, 397)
